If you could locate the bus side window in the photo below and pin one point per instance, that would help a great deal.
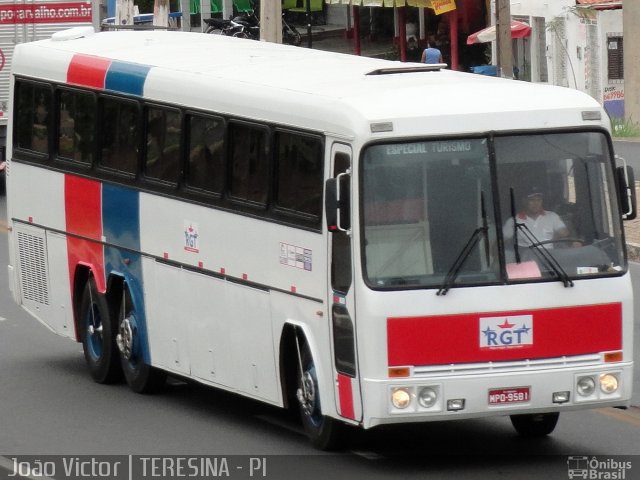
(76, 126)
(299, 172)
(205, 163)
(248, 163)
(32, 116)
(120, 139)
(162, 153)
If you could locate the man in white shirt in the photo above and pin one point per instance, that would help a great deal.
(543, 224)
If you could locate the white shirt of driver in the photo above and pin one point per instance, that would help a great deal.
(543, 227)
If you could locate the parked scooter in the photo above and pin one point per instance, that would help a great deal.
(229, 28)
(247, 25)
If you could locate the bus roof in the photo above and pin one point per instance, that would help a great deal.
(310, 88)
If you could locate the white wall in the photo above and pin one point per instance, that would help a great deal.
(576, 46)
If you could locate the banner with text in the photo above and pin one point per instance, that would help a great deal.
(41, 12)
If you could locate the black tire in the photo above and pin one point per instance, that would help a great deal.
(324, 433)
(141, 377)
(535, 425)
(98, 335)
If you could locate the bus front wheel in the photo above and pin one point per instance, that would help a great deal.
(323, 431)
(535, 425)
(98, 335)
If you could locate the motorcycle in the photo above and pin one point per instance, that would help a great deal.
(247, 25)
(229, 28)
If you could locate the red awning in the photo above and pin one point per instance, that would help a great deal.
(518, 30)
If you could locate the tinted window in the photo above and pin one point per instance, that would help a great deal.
(299, 173)
(249, 164)
(119, 136)
(32, 116)
(76, 126)
(162, 157)
(205, 169)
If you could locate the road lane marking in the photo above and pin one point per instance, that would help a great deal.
(631, 415)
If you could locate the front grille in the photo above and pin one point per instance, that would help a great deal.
(503, 367)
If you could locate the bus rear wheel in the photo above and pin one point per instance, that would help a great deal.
(98, 335)
(535, 425)
(141, 377)
(323, 431)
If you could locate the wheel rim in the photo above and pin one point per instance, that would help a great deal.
(94, 340)
(127, 341)
(308, 396)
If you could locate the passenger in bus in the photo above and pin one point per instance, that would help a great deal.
(545, 225)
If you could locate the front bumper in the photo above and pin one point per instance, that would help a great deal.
(494, 394)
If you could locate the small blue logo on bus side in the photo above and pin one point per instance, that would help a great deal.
(506, 332)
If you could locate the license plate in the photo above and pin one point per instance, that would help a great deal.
(502, 396)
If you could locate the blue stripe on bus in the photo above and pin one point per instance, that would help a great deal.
(126, 77)
(121, 227)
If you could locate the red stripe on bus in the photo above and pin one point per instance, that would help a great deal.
(346, 397)
(446, 339)
(87, 71)
(83, 211)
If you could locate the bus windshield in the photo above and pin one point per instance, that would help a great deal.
(433, 212)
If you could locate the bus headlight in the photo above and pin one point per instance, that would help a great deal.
(586, 386)
(400, 398)
(608, 383)
(427, 397)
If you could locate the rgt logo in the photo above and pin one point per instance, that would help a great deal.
(507, 331)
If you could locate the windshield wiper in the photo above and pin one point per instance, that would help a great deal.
(545, 255)
(453, 272)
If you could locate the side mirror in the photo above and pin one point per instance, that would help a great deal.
(337, 203)
(627, 192)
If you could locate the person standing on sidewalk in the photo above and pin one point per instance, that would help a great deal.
(431, 55)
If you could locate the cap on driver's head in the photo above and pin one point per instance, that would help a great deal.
(534, 192)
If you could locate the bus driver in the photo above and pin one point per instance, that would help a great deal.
(545, 225)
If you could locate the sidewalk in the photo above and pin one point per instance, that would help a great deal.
(334, 38)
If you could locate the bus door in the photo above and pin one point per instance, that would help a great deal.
(341, 291)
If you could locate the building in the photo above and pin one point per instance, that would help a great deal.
(576, 44)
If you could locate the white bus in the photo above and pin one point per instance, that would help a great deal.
(320, 231)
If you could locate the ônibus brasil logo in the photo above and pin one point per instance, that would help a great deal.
(506, 331)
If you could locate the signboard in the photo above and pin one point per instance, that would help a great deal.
(67, 12)
(443, 6)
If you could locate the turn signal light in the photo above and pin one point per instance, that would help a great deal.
(398, 372)
(611, 357)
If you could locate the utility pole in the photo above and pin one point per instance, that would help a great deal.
(271, 21)
(124, 12)
(161, 13)
(503, 38)
(631, 59)
(185, 21)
